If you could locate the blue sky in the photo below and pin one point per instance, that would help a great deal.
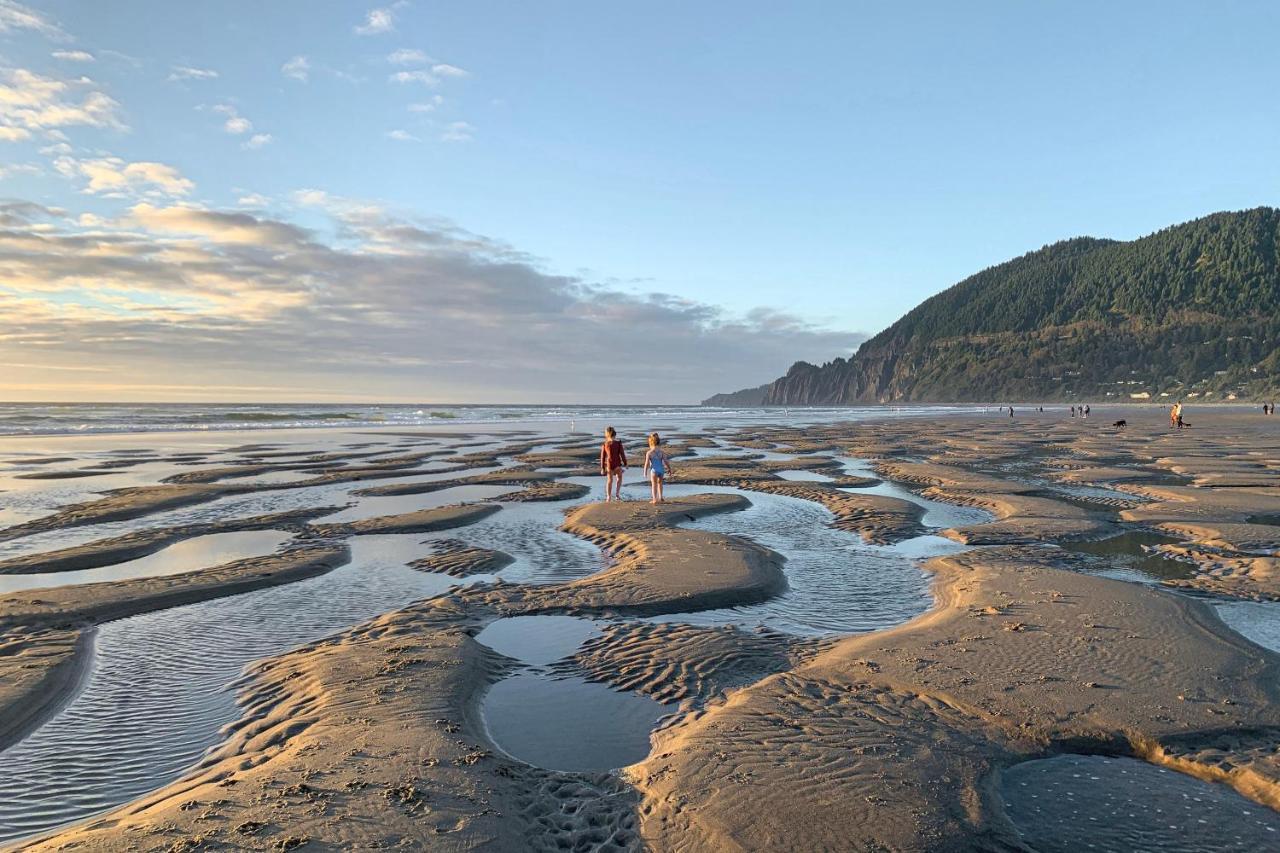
(629, 201)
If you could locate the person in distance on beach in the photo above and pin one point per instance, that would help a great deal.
(656, 466)
(613, 461)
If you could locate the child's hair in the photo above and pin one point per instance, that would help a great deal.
(654, 440)
(611, 432)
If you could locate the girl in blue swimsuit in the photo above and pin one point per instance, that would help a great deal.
(656, 466)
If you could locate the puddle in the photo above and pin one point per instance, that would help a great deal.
(804, 476)
(271, 478)
(198, 552)
(530, 533)
(937, 514)
(569, 723)
(537, 640)
(375, 507)
(158, 691)
(1130, 558)
(1258, 621)
(1081, 802)
(836, 583)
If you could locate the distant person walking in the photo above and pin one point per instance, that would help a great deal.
(613, 461)
(1073, 411)
(656, 467)
(1175, 412)
(1011, 412)
(1086, 411)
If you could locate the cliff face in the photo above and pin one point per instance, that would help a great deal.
(745, 397)
(1192, 309)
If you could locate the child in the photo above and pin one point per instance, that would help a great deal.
(613, 461)
(657, 466)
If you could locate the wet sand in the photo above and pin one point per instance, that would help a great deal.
(895, 739)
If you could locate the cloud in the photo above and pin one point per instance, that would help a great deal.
(407, 56)
(32, 102)
(253, 200)
(402, 136)
(458, 131)
(298, 68)
(431, 77)
(426, 78)
(258, 140)
(19, 214)
(15, 16)
(218, 226)
(428, 106)
(376, 22)
(238, 125)
(186, 72)
(113, 177)
(7, 169)
(387, 307)
(73, 55)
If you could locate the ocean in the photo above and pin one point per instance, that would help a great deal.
(91, 418)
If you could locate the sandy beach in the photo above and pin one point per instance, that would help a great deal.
(893, 634)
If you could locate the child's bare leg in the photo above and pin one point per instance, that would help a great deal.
(653, 489)
(658, 488)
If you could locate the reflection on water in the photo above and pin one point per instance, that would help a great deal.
(1088, 802)
(376, 507)
(837, 583)
(189, 555)
(158, 692)
(569, 723)
(1258, 621)
(1132, 556)
(537, 640)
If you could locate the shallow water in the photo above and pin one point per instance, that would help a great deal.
(1082, 802)
(1132, 556)
(537, 640)
(1258, 621)
(937, 514)
(189, 555)
(377, 506)
(157, 695)
(569, 723)
(804, 476)
(837, 584)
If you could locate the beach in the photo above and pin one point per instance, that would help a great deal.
(904, 630)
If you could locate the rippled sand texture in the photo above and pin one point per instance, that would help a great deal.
(841, 636)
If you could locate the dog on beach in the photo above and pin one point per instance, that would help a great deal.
(1120, 424)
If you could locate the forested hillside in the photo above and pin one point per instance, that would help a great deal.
(1193, 310)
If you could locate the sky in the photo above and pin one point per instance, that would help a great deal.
(550, 202)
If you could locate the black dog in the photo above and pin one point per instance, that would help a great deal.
(1120, 424)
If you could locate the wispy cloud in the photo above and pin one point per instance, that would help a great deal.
(457, 131)
(178, 73)
(407, 56)
(16, 16)
(428, 106)
(258, 140)
(235, 123)
(377, 22)
(32, 102)
(298, 68)
(73, 55)
(402, 136)
(116, 178)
